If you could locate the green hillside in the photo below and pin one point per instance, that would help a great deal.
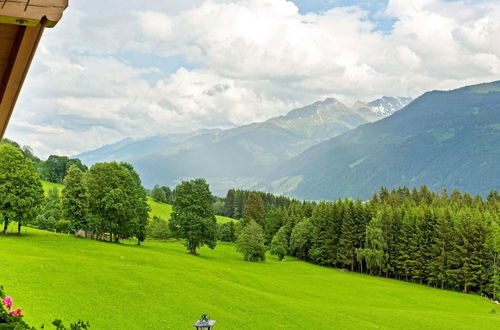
(160, 286)
(160, 210)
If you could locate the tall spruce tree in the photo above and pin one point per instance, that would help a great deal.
(254, 209)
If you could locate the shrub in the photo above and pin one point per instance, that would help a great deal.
(63, 226)
(226, 232)
(158, 229)
(279, 244)
(251, 242)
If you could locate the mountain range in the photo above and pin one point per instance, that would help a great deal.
(240, 157)
(444, 139)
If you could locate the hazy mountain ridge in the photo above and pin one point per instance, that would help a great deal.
(237, 157)
(442, 139)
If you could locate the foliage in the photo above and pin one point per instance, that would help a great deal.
(279, 244)
(236, 200)
(446, 241)
(226, 231)
(300, 239)
(251, 242)
(254, 209)
(63, 226)
(193, 218)
(117, 201)
(75, 199)
(158, 229)
(21, 192)
(55, 168)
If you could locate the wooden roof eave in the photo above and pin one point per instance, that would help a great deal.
(22, 22)
(32, 12)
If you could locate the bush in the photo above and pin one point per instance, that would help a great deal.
(279, 244)
(63, 226)
(158, 229)
(226, 232)
(251, 242)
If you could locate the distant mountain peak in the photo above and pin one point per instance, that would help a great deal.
(387, 105)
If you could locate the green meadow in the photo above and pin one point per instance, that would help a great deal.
(159, 210)
(160, 286)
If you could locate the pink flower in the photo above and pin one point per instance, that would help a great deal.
(7, 301)
(17, 312)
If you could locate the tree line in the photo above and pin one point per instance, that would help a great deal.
(233, 206)
(448, 241)
(54, 169)
(105, 202)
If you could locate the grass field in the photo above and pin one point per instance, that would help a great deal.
(160, 286)
(160, 210)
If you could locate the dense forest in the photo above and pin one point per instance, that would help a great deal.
(448, 241)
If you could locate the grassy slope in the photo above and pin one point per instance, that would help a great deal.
(160, 286)
(160, 210)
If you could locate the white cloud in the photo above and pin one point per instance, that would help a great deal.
(255, 59)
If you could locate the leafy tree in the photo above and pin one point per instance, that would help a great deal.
(25, 150)
(254, 209)
(279, 244)
(251, 242)
(158, 194)
(117, 201)
(75, 199)
(193, 218)
(51, 207)
(219, 207)
(226, 232)
(55, 168)
(158, 229)
(301, 239)
(63, 226)
(374, 252)
(21, 191)
(275, 219)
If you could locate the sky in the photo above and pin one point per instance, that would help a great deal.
(125, 68)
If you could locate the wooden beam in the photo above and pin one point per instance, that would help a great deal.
(31, 12)
(22, 53)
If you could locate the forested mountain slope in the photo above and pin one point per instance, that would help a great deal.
(443, 139)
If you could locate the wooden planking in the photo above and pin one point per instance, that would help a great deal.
(7, 37)
(32, 11)
(39, 3)
(17, 67)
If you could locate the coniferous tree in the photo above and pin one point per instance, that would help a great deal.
(229, 204)
(254, 209)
